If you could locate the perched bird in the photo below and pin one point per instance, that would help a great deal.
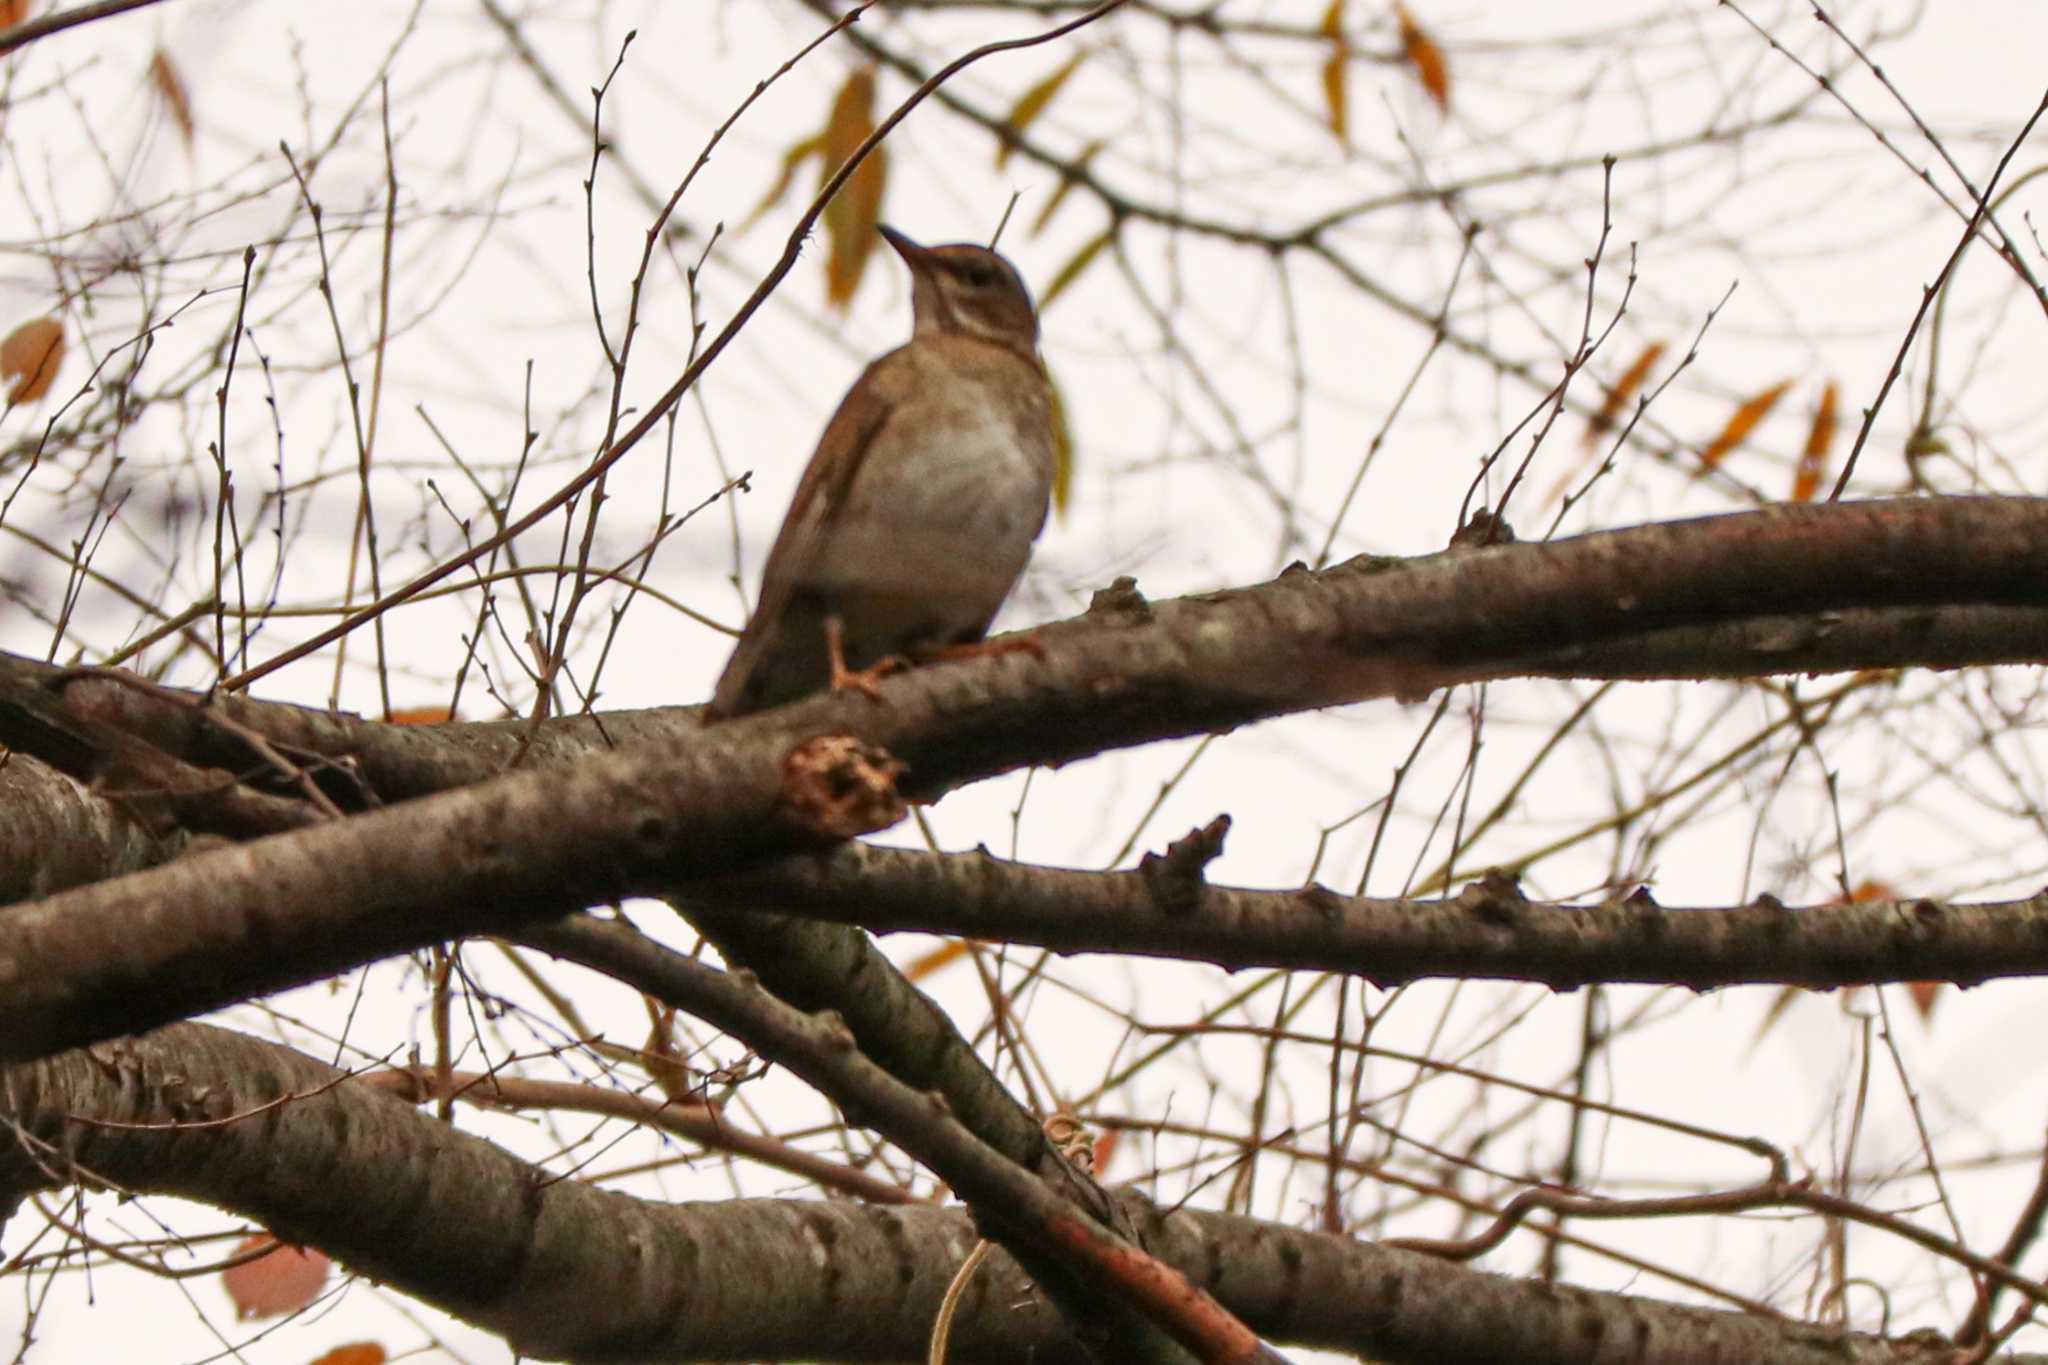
(917, 512)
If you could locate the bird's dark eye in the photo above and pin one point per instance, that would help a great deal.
(978, 276)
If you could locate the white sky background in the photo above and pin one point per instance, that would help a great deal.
(1828, 238)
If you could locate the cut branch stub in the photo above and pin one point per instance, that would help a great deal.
(838, 786)
(1175, 877)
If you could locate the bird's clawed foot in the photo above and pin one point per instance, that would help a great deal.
(866, 681)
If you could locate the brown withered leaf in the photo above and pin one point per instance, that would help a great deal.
(13, 12)
(30, 358)
(1752, 411)
(851, 217)
(1624, 389)
(170, 88)
(1820, 439)
(1032, 102)
(1426, 57)
(1337, 72)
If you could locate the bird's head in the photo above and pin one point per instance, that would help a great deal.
(968, 289)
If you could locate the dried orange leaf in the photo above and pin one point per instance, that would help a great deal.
(1071, 271)
(1870, 890)
(1059, 196)
(1033, 101)
(1062, 448)
(1739, 426)
(284, 1281)
(1820, 438)
(664, 1064)
(355, 1353)
(1426, 57)
(1105, 1150)
(1624, 389)
(939, 958)
(851, 217)
(30, 357)
(13, 12)
(1336, 72)
(422, 715)
(170, 88)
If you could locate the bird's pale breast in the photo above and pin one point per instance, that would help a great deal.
(952, 493)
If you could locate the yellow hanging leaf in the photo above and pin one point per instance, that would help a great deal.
(170, 88)
(851, 217)
(1624, 389)
(1033, 101)
(792, 161)
(1067, 182)
(1820, 438)
(1336, 72)
(1062, 449)
(30, 357)
(1080, 261)
(1739, 426)
(1426, 57)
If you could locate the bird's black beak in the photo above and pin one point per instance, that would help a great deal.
(910, 251)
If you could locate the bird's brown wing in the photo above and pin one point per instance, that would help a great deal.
(820, 494)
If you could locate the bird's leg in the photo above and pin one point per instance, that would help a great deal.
(865, 680)
(1027, 643)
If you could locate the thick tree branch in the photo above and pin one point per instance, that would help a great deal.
(1942, 582)
(218, 926)
(1486, 930)
(564, 1270)
(222, 926)
(1114, 1293)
